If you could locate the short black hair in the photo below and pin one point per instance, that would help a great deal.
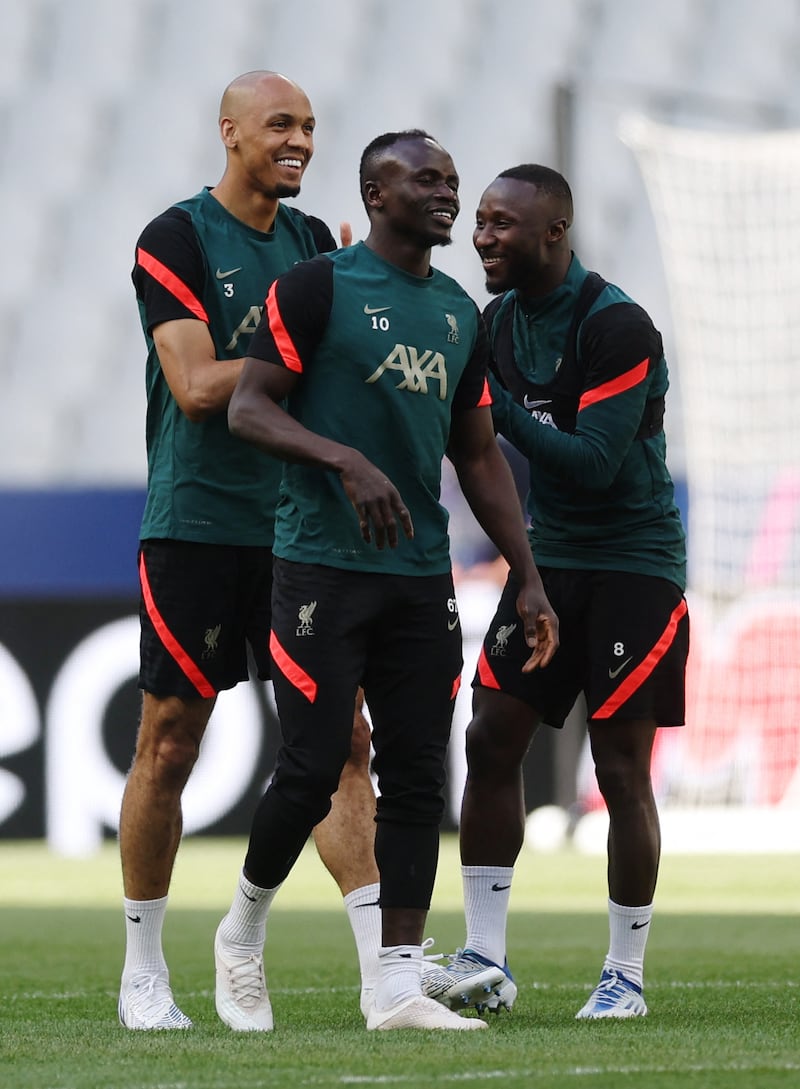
(375, 149)
(547, 180)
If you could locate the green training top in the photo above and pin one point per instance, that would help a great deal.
(197, 261)
(384, 358)
(601, 496)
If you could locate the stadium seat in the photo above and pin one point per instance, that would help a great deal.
(115, 106)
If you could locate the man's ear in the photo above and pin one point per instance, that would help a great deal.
(557, 230)
(227, 130)
(373, 197)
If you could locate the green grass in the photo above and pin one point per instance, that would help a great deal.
(723, 981)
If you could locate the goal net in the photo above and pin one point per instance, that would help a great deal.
(727, 213)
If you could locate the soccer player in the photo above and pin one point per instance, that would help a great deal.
(202, 271)
(578, 385)
(383, 361)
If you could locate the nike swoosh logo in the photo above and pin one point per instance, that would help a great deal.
(612, 673)
(451, 624)
(529, 404)
(222, 275)
(252, 899)
(499, 888)
(369, 904)
(135, 918)
(376, 309)
(638, 926)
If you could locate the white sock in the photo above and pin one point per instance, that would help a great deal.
(486, 893)
(144, 921)
(629, 929)
(399, 975)
(364, 913)
(244, 928)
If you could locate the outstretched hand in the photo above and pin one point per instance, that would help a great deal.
(377, 503)
(541, 626)
(345, 234)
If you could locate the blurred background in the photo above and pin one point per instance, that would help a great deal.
(676, 123)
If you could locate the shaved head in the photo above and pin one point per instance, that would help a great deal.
(267, 126)
(382, 148)
(244, 92)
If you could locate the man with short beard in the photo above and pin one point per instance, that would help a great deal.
(381, 362)
(203, 269)
(578, 386)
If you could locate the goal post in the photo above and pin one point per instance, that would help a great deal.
(727, 212)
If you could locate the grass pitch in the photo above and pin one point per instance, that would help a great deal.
(722, 981)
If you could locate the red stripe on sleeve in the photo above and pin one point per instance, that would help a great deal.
(456, 686)
(486, 397)
(279, 331)
(645, 667)
(293, 673)
(195, 675)
(485, 675)
(625, 381)
(170, 281)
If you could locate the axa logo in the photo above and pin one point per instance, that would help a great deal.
(418, 369)
(246, 326)
(545, 418)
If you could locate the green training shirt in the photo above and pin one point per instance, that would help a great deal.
(384, 359)
(601, 496)
(197, 261)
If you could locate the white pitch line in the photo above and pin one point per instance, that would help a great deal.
(563, 1072)
(289, 992)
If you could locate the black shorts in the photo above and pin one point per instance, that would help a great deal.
(201, 604)
(624, 641)
(396, 635)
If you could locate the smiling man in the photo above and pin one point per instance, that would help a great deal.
(202, 271)
(579, 379)
(382, 361)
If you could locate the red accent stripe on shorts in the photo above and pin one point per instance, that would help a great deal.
(625, 381)
(195, 675)
(486, 397)
(456, 686)
(293, 672)
(172, 283)
(485, 675)
(645, 667)
(279, 331)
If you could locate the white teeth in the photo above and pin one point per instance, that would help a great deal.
(444, 215)
(290, 162)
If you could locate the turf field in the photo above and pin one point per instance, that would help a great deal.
(723, 982)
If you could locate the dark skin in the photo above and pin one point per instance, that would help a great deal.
(521, 235)
(412, 202)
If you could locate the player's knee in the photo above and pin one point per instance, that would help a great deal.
(411, 792)
(309, 779)
(491, 750)
(622, 783)
(175, 756)
(169, 742)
